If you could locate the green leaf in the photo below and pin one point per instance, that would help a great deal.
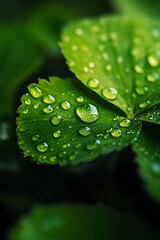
(18, 59)
(46, 20)
(118, 58)
(70, 222)
(62, 121)
(151, 115)
(147, 148)
(138, 7)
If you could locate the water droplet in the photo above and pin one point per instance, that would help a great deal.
(62, 154)
(106, 136)
(78, 145)
(152, 77)
(79, 31)
(125, 123)
(116, 118)
(35, 138)
(49, 99)
(141, 90)
(85, 131)
(93, 83)
(56, 119)
(99, 135)
(71, 64)
(120, 59)
(93, 145)
(153, 61)
(85, 69)
(72, 158)
(138, 69)
(88, 113)
(28, 101)
(110, 93)
(53, 159)
(25, 111)
(65, 105)
(23, 129)
(21, 142)
(48, 109)
(91, 65)
(144, 104)
(108, 67)
(80, 99)
(74, 48)
(67, 145)
(35, 91)
(57, 134)
(116, 133)
(36, 106)
(42, 147)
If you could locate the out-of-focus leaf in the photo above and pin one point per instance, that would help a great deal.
(71, 222)
(147, 148)
(148, 8)
(18, 59)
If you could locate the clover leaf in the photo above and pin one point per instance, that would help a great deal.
(61, 121)
(117, 61)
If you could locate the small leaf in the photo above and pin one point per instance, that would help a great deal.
(118, 58)
(151, 115)
(71, 222)
(148, 158)
(63, 122)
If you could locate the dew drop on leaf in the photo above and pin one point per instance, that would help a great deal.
(49, 99)
(56, 119)
(153, 61)
(84, 131)
(35, 91)
(57, 134)
(144, 104)
(80, 99)
(125, 123)
(21, 142)
(152, 77)
(67, 145)
(88, 113)
(65, 105)
(48, 109)
(141, 90)
(27, 101)
(23, 129)
(110, 93)
(116, 133)
(25, 111)
(35, 138)
(93, 83)
(93, 145)
(53, 159)
(42, 147)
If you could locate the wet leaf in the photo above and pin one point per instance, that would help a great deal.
(118, 58)
(63, 122)
(151, 115)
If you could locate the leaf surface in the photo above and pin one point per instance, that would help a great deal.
(61, 121)
(71, 222)
(151, 115)
(118, 58)
(147, 148)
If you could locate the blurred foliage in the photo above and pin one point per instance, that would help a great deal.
(79, 222)
(148, 8)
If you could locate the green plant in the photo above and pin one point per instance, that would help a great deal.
(65, 122)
